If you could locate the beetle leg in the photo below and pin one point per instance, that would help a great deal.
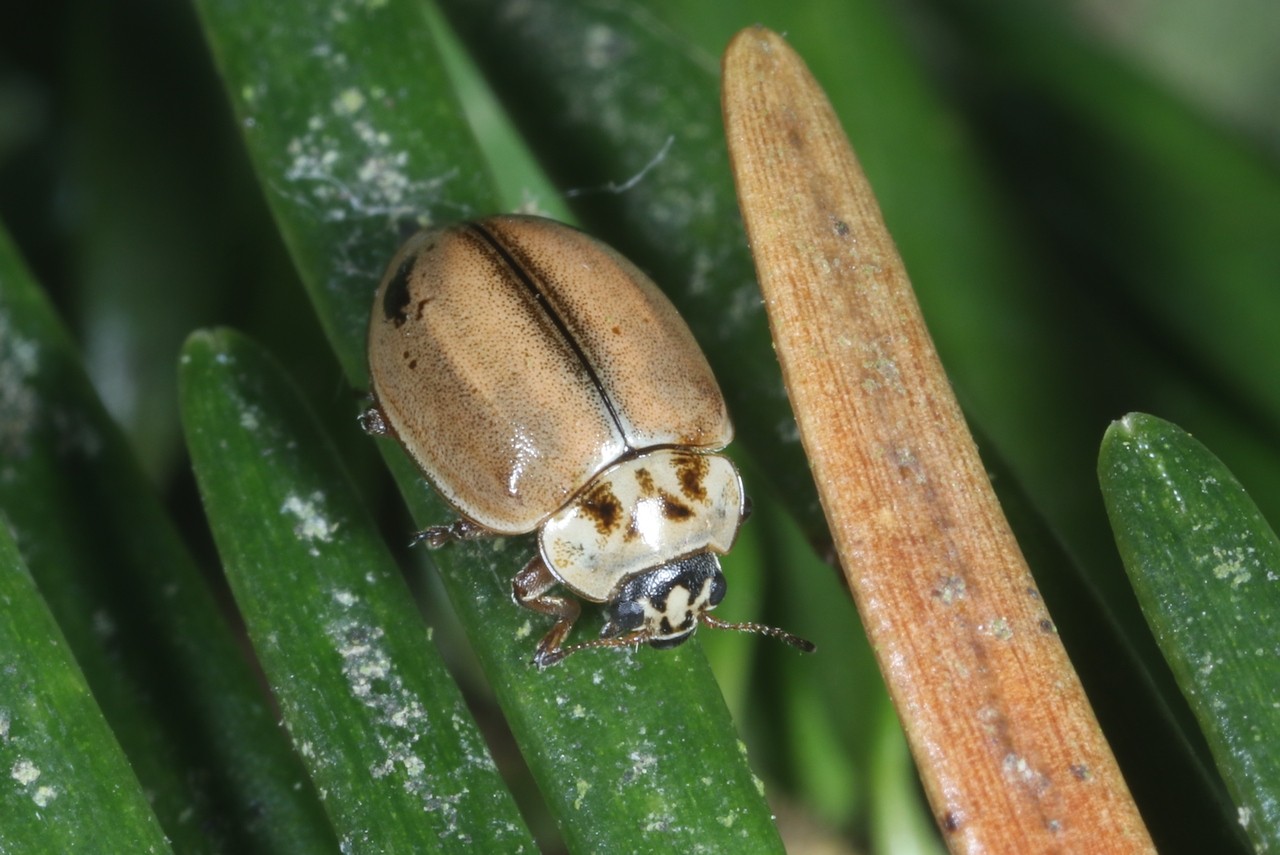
(530, 588)
(437, 536)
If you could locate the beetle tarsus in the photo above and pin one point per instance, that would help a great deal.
(547, 658)
(437, 536)
(374, 422)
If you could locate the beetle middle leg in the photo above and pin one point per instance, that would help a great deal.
(531, 587)
(437, 536)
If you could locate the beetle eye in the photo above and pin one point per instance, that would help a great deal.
(718, 587)
(626, 616)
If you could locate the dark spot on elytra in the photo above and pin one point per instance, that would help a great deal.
(1047, 625)
(413, 364)
(840, 226)
(950, 822)
(793, 137)
(645, 479)
(616, 330)
(396, 298)
(692, 471)
(603, 507)
(422, 308)
(1080, 772)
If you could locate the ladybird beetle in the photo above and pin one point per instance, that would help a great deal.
(542, 382)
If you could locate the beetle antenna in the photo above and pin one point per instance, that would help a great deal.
(801, 644)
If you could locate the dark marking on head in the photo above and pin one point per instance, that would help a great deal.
(668, 643)
(691, 470)
(603, 508)
(645, 479)
(396, 298)
(659, 602)
(687, 623)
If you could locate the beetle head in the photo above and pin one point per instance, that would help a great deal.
(663, 606)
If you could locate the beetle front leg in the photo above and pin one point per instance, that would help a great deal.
(530, 588)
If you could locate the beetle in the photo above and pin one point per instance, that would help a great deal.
(542, 382)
